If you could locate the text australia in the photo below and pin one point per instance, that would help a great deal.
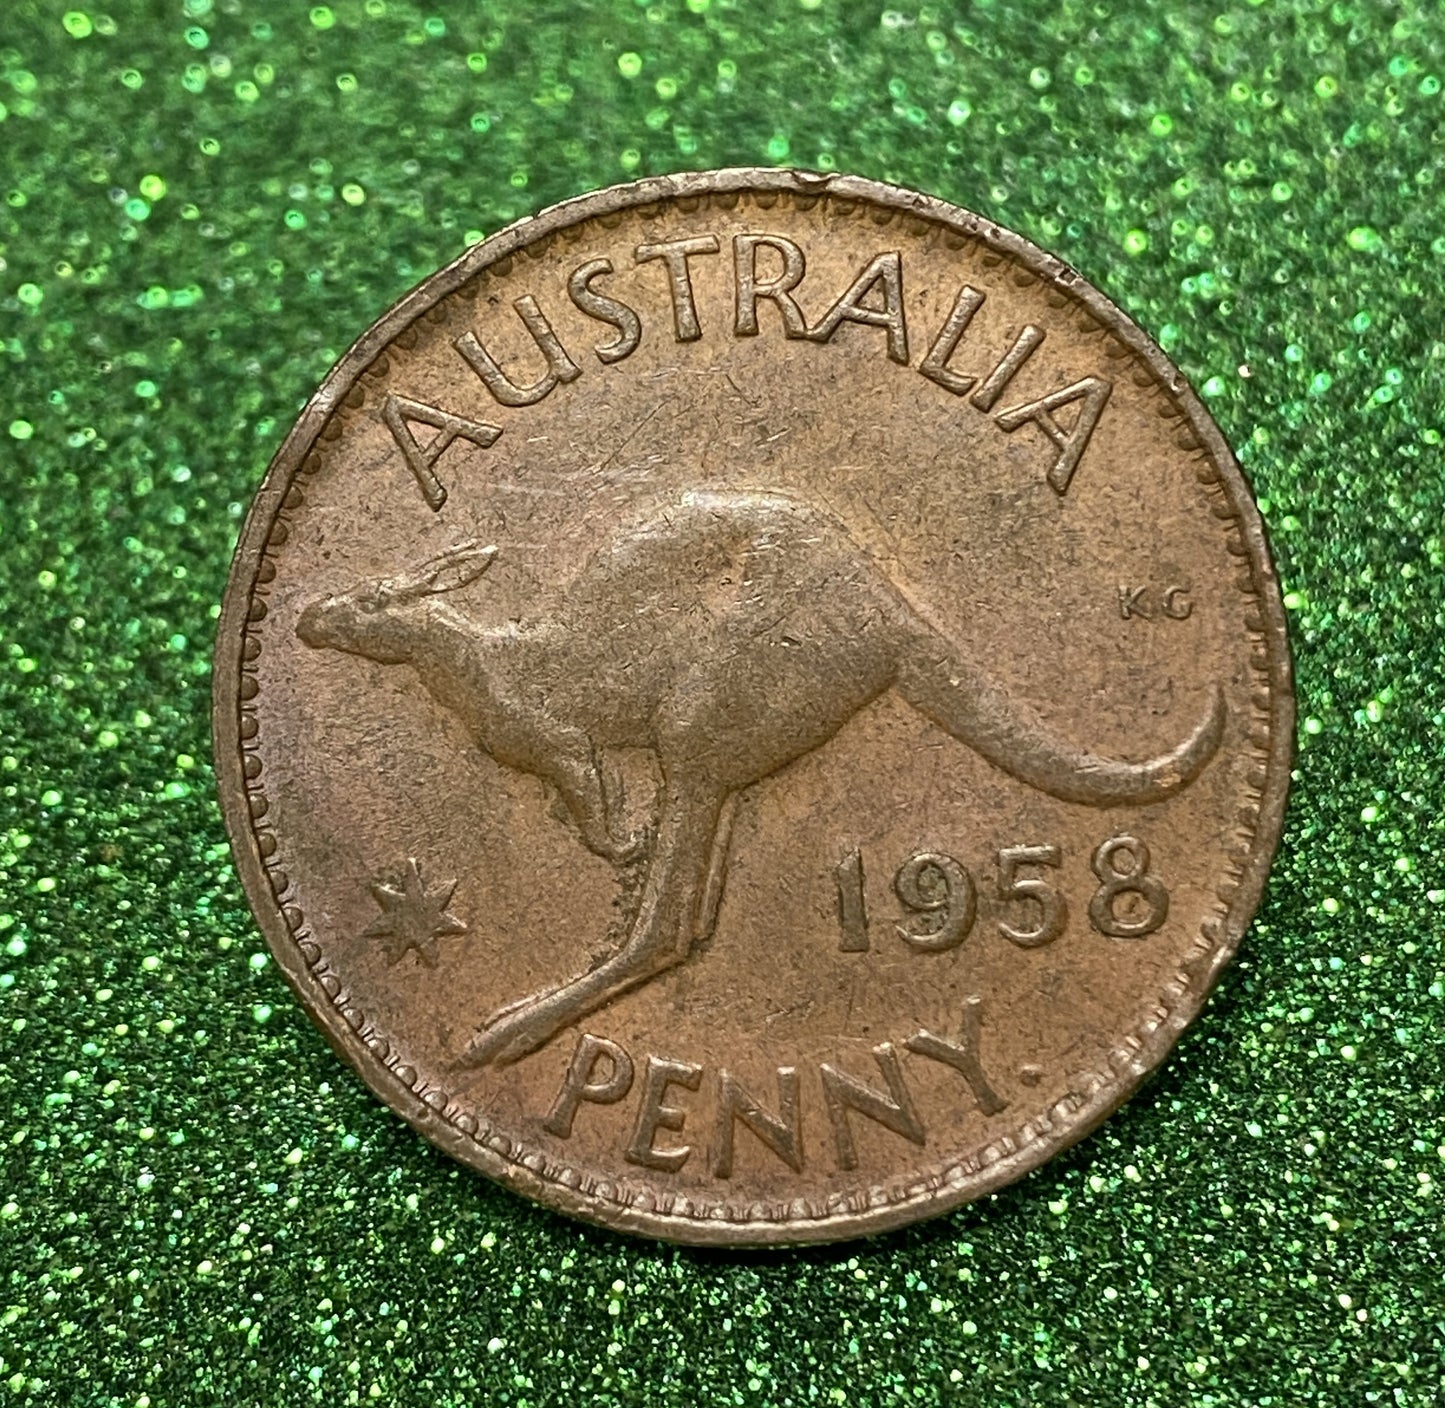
(767, 269)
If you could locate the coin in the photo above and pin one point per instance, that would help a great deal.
(753, 707)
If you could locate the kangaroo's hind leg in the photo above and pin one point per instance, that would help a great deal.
(660, 937)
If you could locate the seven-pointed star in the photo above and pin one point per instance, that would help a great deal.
(413, 917)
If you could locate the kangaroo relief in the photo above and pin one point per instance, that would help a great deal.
(978, 821)
(728, 634)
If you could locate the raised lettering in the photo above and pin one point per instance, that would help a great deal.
(885, 273)
(400, 413)
(655, 1115)
(962, 1055)
(605, 310)
(894, 1111)
(1071, 444)
(560, 367)
(1131, 602)
(1053, 910)
(935, 364)
(781, 1133)
(674, 255)
(1147, 898)
(930, 883)
(1024, 346)
(750, 291)
(1176, 605)
(580, 1082)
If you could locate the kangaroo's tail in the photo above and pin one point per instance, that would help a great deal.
(1012, 737)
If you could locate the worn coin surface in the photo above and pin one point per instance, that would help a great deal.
(753, 707)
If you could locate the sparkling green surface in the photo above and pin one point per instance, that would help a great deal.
(203, 204)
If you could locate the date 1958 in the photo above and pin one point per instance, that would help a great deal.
(941, 897)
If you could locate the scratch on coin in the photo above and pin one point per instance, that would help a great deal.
(636, 430)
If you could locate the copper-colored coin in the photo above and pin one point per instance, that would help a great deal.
(753, 707)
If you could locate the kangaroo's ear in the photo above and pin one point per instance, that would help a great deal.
(456, 567)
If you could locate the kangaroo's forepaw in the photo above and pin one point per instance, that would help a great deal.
(622, 850)
(618, 850)
(631, 847)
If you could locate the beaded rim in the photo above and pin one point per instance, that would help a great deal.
(616, 1203)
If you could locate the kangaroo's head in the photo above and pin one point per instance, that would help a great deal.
(385, 619)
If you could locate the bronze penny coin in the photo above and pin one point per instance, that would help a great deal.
(753, 707)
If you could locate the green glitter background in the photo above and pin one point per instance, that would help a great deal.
(204, 202)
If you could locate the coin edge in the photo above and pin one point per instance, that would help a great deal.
(267, 909)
